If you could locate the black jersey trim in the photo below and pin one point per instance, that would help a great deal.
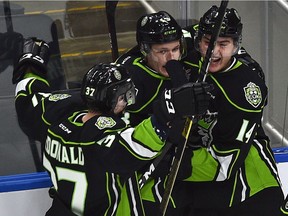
(113, 193)
(230, 101)
(133, 193)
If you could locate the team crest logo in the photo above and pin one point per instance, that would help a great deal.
(57, 97)
(117, 75)
(105, 122)
(144, 21)
(253, 94)
(286, 206)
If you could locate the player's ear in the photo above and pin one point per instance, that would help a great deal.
(145, 49)
(236, 47)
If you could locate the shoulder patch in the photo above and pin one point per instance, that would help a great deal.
(105, 122)
(56, 97)
(253, 94)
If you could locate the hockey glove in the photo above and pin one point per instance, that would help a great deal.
(176, 72)
(188, 100)
(35, 56)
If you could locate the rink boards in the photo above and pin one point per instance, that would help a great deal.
(27, 194)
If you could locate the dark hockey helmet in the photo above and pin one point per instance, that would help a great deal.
(231, 25)
(158, 28)
(104, 83)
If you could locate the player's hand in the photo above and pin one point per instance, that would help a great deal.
(35, 56)
(188, 100)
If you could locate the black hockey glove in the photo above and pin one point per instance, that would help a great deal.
(176, 72)
(188, 100)
(194, 139)
(35, 56)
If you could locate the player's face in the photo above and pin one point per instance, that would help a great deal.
(160, 54)
(222, 53)
(121, 105)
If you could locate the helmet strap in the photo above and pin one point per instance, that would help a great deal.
(145, 49)
(237, 44)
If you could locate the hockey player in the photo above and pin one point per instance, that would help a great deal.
(160, 39)
(234, 172)
(189, 35)
(89, 151)
(128, 58)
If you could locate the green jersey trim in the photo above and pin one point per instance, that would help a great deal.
(230, 101)
(69, 142)
(191, 64)
(149, 101)
(158, 76)
(32, 75)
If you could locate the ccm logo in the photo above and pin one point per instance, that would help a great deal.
(169, 104)
(30, 55)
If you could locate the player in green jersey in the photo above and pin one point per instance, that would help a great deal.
(234, 171)
(89, 152)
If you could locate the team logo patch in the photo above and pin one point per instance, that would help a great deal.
(253, 94)
(286, 206)
(57, 97)
(117, 75)
(105, 122)
(144, 21)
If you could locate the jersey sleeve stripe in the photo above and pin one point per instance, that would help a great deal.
(21, 86)
(136, 147)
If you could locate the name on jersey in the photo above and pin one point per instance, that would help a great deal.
(64, 154)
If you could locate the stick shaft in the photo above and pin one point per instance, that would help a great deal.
(110, 14)
(175, 167)
(187, 128)
(8, 19)
(213, 40)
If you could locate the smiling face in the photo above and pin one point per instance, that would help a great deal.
(222, 53)
(160, 54)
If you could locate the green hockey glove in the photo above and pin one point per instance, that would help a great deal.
(35, 56)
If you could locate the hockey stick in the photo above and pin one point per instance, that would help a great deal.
(178, 78)
(188, 125)
(213, 40)
(32, 143)
(146, 176)
(8, 19)
(110, 14)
